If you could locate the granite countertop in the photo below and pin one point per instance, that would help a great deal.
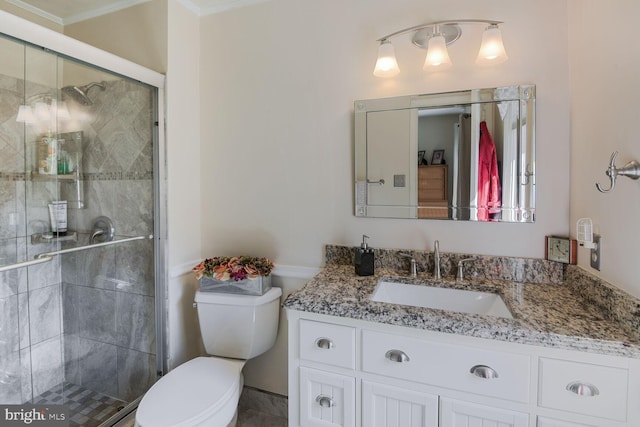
(547, 315)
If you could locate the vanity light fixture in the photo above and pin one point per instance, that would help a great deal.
(435, 37)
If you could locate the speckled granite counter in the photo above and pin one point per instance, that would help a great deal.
(550, 315)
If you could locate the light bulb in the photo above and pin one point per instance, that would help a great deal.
(386, 65)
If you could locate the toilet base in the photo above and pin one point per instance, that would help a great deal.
(233, 422)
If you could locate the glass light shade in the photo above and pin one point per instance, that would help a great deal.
(437, 54)
(42, 112)
(62, 112)
(386, 65)
(491, 50)
(25, 115)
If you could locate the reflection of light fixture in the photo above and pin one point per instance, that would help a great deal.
(25, 115)
(435, 37)
(42, 112)
(46, 109)
(62, 112)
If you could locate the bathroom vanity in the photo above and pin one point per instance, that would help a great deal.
(558, 362)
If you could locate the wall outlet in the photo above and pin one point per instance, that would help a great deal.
(595, 252)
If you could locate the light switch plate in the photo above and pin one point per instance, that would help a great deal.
(399, 180)
(595, 253)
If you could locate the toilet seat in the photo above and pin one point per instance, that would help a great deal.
(203, 389)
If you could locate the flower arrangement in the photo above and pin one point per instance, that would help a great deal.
(236, 268)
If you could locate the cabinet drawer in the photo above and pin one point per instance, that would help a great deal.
(595, 390)
(327, 343)
(433, 209)
(450, 366)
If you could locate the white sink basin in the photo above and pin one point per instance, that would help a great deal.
(441, 298)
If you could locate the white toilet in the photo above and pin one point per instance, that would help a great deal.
(204, 392)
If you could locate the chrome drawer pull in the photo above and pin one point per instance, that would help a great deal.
(397, 356)
(484, 371)
(325, 343)
(325, 401)
(583, 389)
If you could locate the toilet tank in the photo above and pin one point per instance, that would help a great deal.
(238, 326)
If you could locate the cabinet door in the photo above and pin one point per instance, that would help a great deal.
(548, 422)
(455, 413)
(326, 399)
(388, 406)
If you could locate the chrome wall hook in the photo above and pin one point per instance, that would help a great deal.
(631, 170)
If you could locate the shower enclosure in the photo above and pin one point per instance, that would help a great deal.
(79, 302)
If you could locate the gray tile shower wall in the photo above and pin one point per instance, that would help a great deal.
(114, 354)
(68, 307)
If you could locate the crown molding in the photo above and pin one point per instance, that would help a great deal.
(209, 7)
(78, 17)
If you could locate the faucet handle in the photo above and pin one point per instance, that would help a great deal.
(460, 275)
(414, 264)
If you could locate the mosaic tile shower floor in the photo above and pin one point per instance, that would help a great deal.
(87, 408)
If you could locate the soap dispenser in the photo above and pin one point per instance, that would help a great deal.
(364, 259)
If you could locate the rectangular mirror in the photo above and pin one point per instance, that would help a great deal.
(466, 155)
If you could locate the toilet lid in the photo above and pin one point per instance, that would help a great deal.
(191, 392)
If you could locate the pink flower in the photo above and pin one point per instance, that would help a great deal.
(236, 268)
(199, 269)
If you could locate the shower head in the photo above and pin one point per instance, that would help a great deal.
(79, 94)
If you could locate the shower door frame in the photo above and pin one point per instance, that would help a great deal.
(65, 46)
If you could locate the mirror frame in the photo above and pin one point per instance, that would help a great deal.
(523, 211)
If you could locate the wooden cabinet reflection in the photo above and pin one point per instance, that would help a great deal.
(433, 190)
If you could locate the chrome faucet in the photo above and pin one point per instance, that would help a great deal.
(436, 260)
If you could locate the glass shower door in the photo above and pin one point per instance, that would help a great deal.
(77, 187)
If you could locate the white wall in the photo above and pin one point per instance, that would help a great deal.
(278, 84)
(605, 66)
(184, 182)
(137, 33)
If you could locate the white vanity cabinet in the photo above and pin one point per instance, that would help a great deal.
(345, 372)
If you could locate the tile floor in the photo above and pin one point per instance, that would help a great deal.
(87, 408)
(90, 409)
(246, 418)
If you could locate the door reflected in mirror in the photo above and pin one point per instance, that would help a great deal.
(466, 156)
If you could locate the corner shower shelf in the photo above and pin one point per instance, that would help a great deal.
(37, 238)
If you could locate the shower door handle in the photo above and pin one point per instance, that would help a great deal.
(25, 263)
(95, 245)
